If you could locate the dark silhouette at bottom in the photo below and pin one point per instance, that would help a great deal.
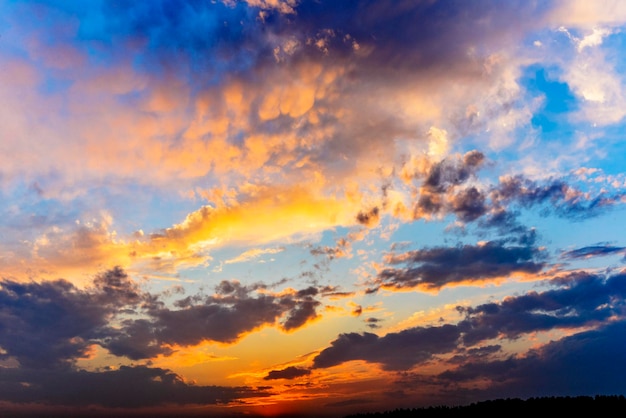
(562, 405)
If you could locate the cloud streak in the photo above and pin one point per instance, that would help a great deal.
(432, 269)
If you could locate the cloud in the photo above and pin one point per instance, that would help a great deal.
(448, 173)
(182, 117)
(438, 191)
(224, 317)
(593, 251)
(335, 292)
(469, 204)
(405, 47)
(373, 322)
(434, 268)
(467, 355)
(587, 15)
(563, 199)
(442, 191)
(248, 123)
(585, 299)
(340, 250)
(370, 218)
(290, 372)
(58, 316)
(116, 315)
(242, 145)
(252, 254)
(187, 243)
(581, 364)
(395, 351)
(282, 6)
(126, 387)
(580, 300)
(265, 215)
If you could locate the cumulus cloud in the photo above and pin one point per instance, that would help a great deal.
(181, 117)
(303, 125)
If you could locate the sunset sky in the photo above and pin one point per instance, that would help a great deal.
(313, 207)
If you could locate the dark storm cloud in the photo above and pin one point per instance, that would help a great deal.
(52, 324)
(47, 326)
(590, 362)
(394, 351)
(593, 251)
(303, 311)
(584, 299)
(580, 300)
(290, 372)
(137, 339)
(127, 387)
(224, 317)
(115, 288)
(434, 268)
(223, 322)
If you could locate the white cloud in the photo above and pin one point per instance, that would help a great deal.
(252, 254)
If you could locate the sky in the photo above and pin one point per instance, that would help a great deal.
(309, 207)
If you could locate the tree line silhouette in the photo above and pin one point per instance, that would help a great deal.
(542, 405)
